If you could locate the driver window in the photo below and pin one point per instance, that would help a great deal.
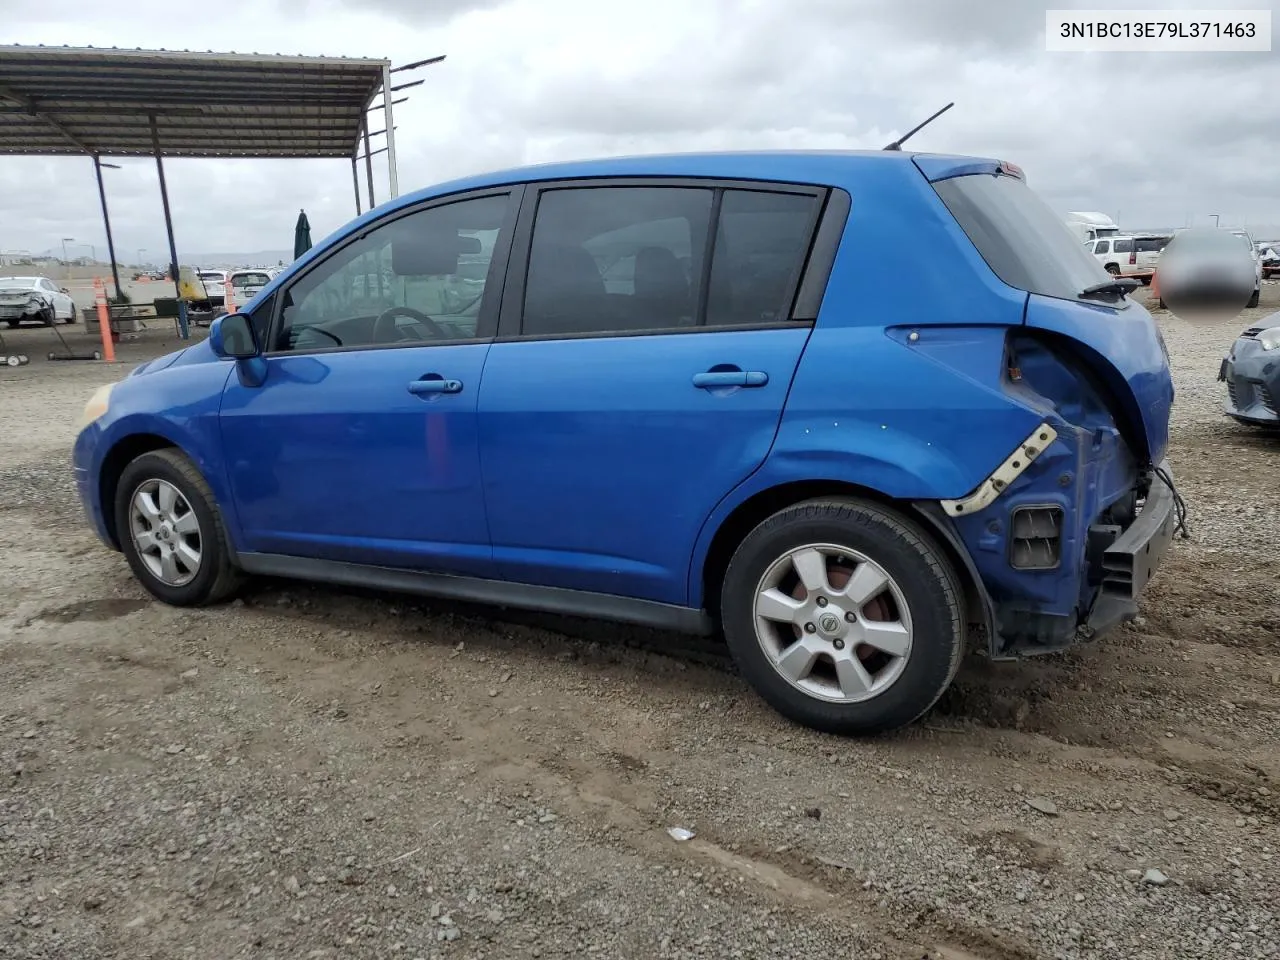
(418, 278)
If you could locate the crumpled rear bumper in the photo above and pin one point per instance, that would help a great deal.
(1133, 557)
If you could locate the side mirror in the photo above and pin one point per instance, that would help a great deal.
(231, 337)
(65, 290)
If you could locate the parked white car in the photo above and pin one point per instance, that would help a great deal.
(35, 299)
(215, 282)
(1129, 255)
(245, 285)
(1257, 263)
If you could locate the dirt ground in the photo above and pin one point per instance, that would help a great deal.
(311, 773)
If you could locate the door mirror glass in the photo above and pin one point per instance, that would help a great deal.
(65, 290)
(231, 337)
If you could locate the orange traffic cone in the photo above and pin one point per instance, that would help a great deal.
(1155, 284)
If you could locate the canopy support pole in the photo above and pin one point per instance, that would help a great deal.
(368, 161)
(183, 329)
(106, 221)
(355, 182)
(391, 132)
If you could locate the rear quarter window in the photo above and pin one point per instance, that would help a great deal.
(1022, 240)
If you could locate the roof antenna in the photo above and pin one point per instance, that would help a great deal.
(897, 144)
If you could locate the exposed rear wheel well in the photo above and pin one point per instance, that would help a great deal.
(755, 510)
(120, 456)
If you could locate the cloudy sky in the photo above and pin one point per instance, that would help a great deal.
(1154, 139)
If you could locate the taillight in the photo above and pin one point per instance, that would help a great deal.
(1133, 256)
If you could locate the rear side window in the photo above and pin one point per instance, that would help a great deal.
(633, 259)
(761, 243)
(1124, 246)
(1149, 246)
(607, 259)
(1019, 236)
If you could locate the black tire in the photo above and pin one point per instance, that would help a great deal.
(13, 323)
(918, 568)
(49, 316)
(75, 314)
(216, 578)
(1253, 300)
(1113, 269)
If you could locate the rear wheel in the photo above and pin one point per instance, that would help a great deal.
(171, 532)
(1253, 300)
(1113, 269)
(843, 616)
(49, 316)
(75, 314)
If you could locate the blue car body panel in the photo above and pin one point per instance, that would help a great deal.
(1127, 352)
(602, 459)
(178, 401)
(596, 464)
(332, 457)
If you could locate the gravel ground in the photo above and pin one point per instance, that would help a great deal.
(309, 773)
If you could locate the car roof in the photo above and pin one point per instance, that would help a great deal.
(832, 168)
(818, 167)
(800, 166)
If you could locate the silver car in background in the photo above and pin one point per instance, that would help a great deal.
(1252, 375)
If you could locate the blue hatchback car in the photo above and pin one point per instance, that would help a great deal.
(703, 392)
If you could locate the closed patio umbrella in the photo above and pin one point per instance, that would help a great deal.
(301, 235)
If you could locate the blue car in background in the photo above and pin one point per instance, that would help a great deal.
(705, 393)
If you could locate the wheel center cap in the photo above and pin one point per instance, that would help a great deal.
(830, 622)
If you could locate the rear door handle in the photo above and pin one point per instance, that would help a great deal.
(432, 385)
(730, 378)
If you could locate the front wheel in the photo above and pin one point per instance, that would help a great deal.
(843, 616)
(74, 315)
(171, 532)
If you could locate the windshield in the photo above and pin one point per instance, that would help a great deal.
(1021, 239)
(19, 283)
(249, 280)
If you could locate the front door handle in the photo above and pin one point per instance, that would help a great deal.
(712, 379)
(430, 385)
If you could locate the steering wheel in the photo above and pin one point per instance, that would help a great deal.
(386, 323)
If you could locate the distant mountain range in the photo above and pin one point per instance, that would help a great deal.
(258, 258)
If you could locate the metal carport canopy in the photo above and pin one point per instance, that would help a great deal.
(66, 101)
